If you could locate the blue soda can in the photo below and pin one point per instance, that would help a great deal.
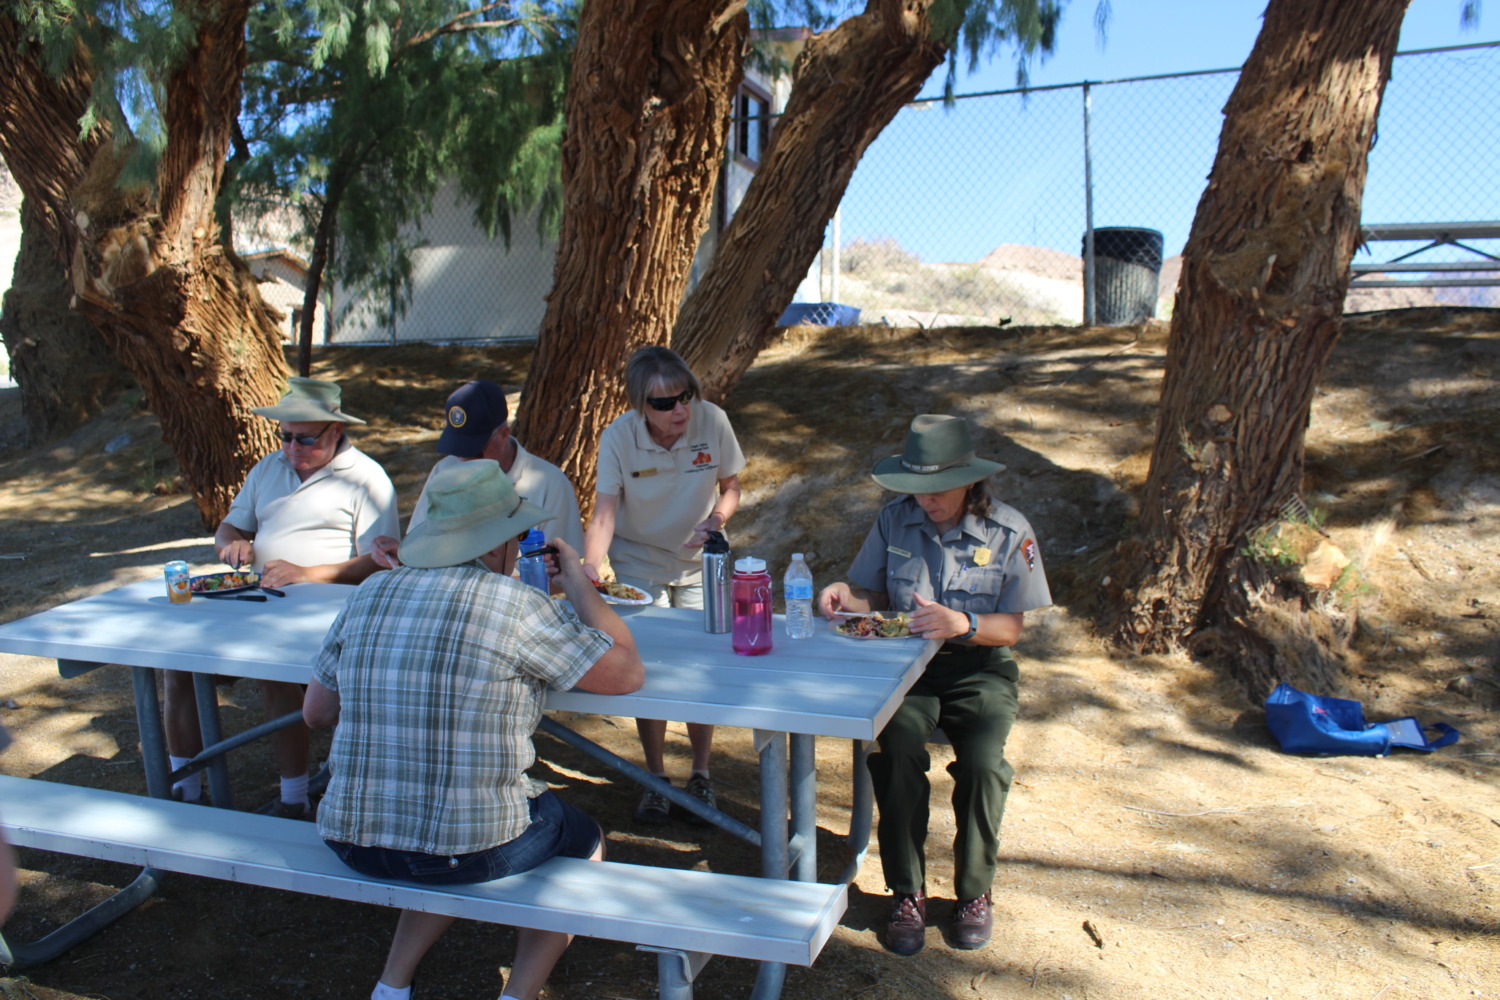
(179, 587)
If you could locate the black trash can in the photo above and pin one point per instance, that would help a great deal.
(1127, 274)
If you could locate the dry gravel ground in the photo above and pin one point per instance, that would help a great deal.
(1157, 843)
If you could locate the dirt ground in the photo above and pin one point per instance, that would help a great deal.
(1157, 844)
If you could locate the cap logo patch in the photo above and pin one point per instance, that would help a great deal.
(457, 417)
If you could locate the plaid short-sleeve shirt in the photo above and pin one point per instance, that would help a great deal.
(440, 675)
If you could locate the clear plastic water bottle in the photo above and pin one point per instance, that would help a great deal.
(797, 586)
(532, 569)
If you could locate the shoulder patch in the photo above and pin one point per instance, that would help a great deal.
(1028, 549)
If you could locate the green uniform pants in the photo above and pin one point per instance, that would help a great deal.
(971, 693)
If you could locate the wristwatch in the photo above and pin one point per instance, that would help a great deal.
(973, 625)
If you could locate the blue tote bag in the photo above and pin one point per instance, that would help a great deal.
(1320, 724)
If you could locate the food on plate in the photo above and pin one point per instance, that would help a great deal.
(212, 582)
(619, 591)
(876, 626)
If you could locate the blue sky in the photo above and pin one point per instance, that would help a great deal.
(951, 185)
(1147, 37)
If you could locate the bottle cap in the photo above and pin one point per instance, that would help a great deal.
(534, 537)
(750, 564)
(796, 555)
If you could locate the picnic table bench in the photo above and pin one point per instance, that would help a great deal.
(686, 916)
(1434, 235)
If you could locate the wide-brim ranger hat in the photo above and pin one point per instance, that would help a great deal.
(308, 400)
(472, 509)
(937, 457)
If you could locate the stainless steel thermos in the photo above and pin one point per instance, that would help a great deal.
(718, 569)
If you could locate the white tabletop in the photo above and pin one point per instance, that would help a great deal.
(828, 685)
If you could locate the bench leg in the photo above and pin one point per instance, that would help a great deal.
(861, 810)
(676, 970)
(81, 927)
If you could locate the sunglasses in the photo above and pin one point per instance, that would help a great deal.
(665, 403)
(305, 440)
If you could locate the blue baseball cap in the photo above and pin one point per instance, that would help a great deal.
(474, 411)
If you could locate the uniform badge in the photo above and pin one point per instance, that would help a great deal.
(982, 557)
(1028, 549)
(457, 417)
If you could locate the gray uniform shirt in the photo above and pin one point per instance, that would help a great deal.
(983, 564)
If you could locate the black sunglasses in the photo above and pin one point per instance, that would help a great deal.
(665, 403)
(305, 440)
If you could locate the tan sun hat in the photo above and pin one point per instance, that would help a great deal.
(308, 400)
(472, 508)
(937, 457)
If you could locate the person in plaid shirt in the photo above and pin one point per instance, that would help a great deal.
(434, 674)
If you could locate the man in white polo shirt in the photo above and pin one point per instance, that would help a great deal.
(308, 513)
(476, 425)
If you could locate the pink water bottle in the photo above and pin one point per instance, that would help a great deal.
(751, 590)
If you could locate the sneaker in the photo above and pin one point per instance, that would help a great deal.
(201, 800)
(654, 809)
(972, 922)
(906, 931)
(702, 789)
(296, 810)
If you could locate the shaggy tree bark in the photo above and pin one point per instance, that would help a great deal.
(147, 268)
(1258, 312)
(644, 139)
(65, 372)
(850, 83)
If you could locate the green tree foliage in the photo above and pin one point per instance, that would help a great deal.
(358, 114)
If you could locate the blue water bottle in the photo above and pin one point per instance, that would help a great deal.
(533, 570)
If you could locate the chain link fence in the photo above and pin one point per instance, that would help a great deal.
(977, 213)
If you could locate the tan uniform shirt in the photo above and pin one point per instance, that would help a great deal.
(664, 493)
(536, 480)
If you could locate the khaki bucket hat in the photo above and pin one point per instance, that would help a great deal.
(308, 400)
(472, 508)
(937, 457)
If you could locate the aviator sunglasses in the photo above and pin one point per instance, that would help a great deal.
(665, 403)
(305, 440)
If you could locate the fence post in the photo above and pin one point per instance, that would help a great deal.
(1088, 211)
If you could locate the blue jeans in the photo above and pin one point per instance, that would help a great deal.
(557, 829)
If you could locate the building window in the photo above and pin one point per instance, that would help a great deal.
(752, 123)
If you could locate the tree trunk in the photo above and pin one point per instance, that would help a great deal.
(645, 136)
(65, 372)
(850, 83)
(147, 269)
(1258, 312)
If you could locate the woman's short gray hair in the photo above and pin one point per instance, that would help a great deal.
(657, 366)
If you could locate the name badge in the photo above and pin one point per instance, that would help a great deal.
(642, 473)
(898, 552)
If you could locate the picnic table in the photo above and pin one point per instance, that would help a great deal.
(827, 685)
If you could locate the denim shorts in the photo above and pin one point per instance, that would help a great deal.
(557, 829)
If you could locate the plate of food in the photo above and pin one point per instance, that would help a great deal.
(874, 626)
(615, 592)
(224, 583)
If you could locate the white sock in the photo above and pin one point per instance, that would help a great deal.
(384, 992)
(189, 789)
(294, 791)
(701, 773)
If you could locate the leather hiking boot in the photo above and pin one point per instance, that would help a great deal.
(906, 931)
(654, 808)
(973, 920)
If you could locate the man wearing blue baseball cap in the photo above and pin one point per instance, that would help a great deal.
(476, 424)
